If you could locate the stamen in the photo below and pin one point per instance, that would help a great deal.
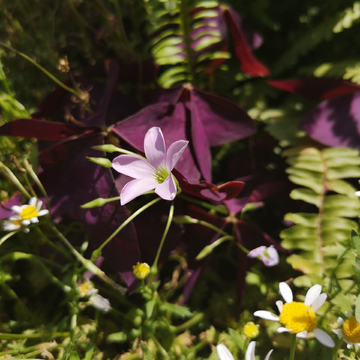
(351, 330)
(29, 212)
(298, 317)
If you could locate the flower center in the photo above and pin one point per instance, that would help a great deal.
(297, 317)
(351, 330)
(17, 222)
(29, 212)
(85, 288)
(161, 174)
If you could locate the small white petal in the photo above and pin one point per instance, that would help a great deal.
(16, 208)
(318, 302)
(302, 334)
(339, 333)
(39, 205)
(250, 351)
(267, 315)
(223, 352)
(357, 193)
(43, 212)
(349, 313)
(279, 305)
(282, 329)
(34, 220)
(312, 294)
(32, 201)
(286, 292)
(324, 338)
(350, 346)
(26, 222)
(340, 320)
(267, 357)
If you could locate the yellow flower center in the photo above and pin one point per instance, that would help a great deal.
(29, 212)
(141, 270)
(251, 330)
(161, 174)
(17, 222)
(85, 288)
(297, 317)
(351, 330)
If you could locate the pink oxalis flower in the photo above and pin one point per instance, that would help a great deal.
(151, 173)
(268, 255)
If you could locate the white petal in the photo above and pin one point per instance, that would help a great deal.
(267, 315)
(318, 302)
(286, 292)
(223, 352)
(312, 294)
(340, 320)
(282, 329)
(133, 166)
(267, 357)
(250, 351)
(357, 193)
(39, 205)
(43, 212)
(174, 152)
(32, 201)
(16, 208)
(26, 222)
(135, 188)
(349, 313)
(166, 190)
(279, 305)
(154, 147)
(339, 333)
(350, 346)
(302, 334)
(324, 338)
(34, 220)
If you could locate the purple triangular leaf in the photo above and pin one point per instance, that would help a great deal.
(335, 122)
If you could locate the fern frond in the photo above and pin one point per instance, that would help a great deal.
(320, 239)
(349, 16)
(183, 37)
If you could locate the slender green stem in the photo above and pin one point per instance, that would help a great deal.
(126, 222)
(37, 181)
(292, 347)
(50, 243)
(154, 269)
(87, 263)
(51, 76)
(4, 336)
(14, 179)
(243, 248)
(197, 318)
(218, 209)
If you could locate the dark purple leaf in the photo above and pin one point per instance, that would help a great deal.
(43, 130)
(316, 88)
(203, 119)
(5, 206)
(70, 181)
(248, 63)
(335, 122)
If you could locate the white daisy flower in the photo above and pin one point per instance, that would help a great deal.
(349, 331)
(225, 354)
(86, 288)
(299, 318)
(11, 225)
(28, 214)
